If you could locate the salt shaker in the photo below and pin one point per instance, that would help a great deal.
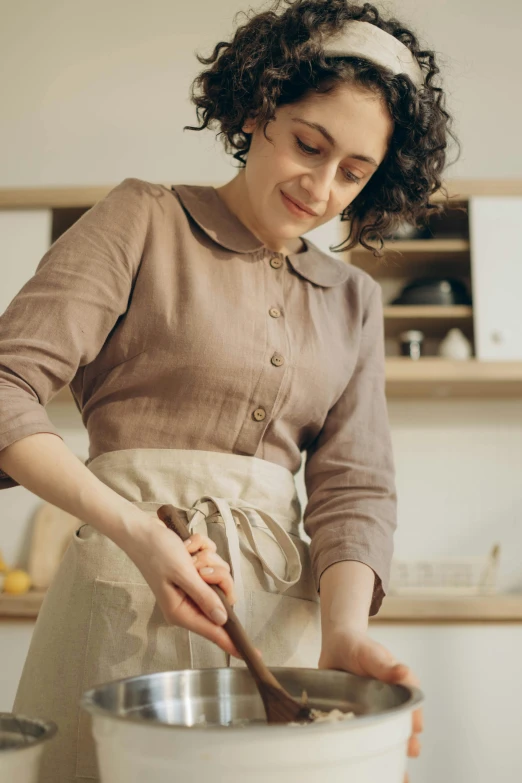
(411, 343)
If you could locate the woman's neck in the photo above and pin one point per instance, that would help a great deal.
(235, 197)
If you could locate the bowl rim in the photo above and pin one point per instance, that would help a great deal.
(49, 726)
(414, 700)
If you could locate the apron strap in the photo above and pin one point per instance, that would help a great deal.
(241, 514)
(287, 546)
(232, 539)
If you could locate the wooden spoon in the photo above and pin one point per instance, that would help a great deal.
(280, 707)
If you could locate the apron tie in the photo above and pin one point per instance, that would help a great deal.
(238, 516)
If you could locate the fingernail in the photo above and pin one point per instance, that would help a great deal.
(188, 542)
(219, 616)
(207, 570)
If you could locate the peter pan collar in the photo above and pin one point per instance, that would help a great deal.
(210, 212)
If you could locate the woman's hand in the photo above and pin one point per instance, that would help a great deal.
(179, 574)
(354, 651)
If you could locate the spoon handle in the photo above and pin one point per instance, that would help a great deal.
(171, 517)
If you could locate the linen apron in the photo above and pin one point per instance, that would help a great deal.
(100, 621)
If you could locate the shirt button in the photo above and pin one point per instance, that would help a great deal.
(274, 312)
(276, 263)
(259, 414)
(277, 360)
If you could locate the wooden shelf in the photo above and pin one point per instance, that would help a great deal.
(52, 198)
(420, 247)
(502, 608)
(434, 377)
(486, 609)
(62, 197)
(427, 312)
(416, 258)
(431, 377)
(433, 320)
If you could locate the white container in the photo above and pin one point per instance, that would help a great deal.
(367, 749)
(455, 346)
(22, 742)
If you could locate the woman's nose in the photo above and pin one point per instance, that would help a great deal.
(318, 185)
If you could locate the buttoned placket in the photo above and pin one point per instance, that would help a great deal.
(275, 360)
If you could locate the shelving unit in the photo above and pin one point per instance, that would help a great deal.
(445, 254)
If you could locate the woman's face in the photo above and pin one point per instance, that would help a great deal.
(324, 151)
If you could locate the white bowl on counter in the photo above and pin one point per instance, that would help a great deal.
(22, 742)
(197, 725)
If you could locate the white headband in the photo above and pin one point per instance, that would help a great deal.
(362, 39)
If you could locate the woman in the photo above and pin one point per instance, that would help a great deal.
(207, 344)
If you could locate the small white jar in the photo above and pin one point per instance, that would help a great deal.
(455, 346)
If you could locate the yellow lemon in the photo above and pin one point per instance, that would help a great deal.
(17, 582)
(3, 566)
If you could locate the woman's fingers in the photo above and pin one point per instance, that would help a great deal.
(407, 677)
(418, 721)
(210, 569)
(203, 596)
(218, 575)
(215, 571)
(179, 582)
(414, 747)
(197, 543)
(209, 559)
(180, 610)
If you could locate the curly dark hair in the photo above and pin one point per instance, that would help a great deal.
(275, 59)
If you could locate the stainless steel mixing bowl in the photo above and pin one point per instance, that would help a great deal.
(228, 697)
(19, 732)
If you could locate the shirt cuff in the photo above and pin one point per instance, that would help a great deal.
(380, 565)
(30, 425)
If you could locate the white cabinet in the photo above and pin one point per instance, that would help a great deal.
(496, 271)
(469, 675)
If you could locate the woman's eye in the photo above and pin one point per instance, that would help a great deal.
(349, 175)
(308, 150)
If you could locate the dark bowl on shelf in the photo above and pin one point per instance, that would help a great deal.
(446, 292)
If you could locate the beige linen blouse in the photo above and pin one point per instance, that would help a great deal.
(177, 328)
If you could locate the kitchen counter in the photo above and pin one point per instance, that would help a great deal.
(499, 608)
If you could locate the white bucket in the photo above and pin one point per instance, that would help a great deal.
(22, 742)
(145, 728)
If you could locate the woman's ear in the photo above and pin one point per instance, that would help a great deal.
(249, 125)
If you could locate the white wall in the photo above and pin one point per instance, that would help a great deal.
(93, 93)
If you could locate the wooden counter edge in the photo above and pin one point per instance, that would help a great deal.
(444, 609)
(501, 608)
(24, 606)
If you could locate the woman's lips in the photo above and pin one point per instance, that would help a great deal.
(294, 209)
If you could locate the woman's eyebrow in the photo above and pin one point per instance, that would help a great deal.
(330, 139)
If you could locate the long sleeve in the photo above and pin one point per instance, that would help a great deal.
(62, 316)
(349, 471)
